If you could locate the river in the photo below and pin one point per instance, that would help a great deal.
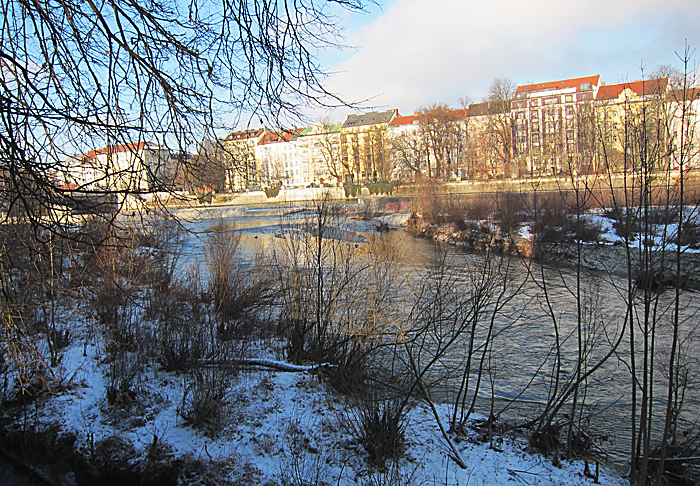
(523, 359)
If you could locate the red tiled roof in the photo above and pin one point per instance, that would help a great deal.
(691, 94)
(457, 114)
(245, 134)
(648, 86)
(404, 120)
(129, 147)
(281, 136)
(566, 83)
(446, 113)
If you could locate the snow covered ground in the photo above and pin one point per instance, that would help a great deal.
(282, 428)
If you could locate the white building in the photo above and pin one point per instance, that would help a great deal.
(280, 161)
(142, 167)
(319, 145)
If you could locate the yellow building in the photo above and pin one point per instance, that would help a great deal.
(242, 171)
(364, 146)
(631, 122)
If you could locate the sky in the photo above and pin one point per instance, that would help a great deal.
(411, 53)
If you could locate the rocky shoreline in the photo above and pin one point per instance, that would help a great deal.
(598, 257)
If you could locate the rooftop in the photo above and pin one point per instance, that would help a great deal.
(280, 136)
(244, 134)
(371, 118)
(404, 120)
(583, 84)
(114, 149)
(639, 87)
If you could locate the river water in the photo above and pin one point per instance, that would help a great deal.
(523, 358)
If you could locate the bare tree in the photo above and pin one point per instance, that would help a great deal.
(121, 75)
(329, 145)
(206, 168)
(500, 130)
(439, 127)
(408, 154)
(76, 75)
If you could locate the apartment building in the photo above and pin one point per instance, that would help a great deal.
(364, 146)
(624, 112)
(552, 124)
(280, 161)
(239, 159)
(407, 153)
(319, 145)
(489, 142)
(136, 167)
(684, 140)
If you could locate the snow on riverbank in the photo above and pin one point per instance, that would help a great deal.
(283, 428)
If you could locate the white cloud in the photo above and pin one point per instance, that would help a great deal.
(420, 51)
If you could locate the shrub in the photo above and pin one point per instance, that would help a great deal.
(384, 187)
(352, 190)
(478, 207)
(239, 289)
(379, 427)
(545, 440)
(690, 236)
(301, 467)
(123, 374)
(272, 192)
(429, 201)
(510, 212)
(205, 401)
(590, 230)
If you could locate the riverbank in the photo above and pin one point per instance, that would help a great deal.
(598, 183)
(607, 255)
(280, 428)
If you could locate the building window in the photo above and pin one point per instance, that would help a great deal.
(534, 102)
(569, 110)
(534, 114)
(568, 98)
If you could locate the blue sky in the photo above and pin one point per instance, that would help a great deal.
(410, 53)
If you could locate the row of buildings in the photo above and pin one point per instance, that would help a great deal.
(577, 125)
